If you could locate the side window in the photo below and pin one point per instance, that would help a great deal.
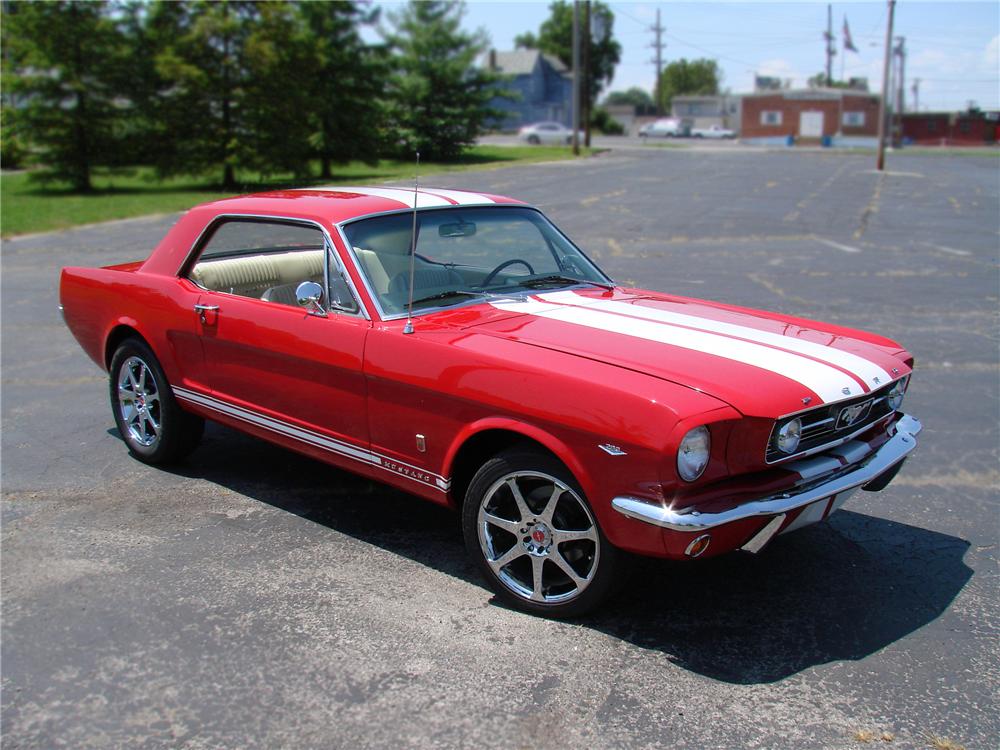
(260, 259)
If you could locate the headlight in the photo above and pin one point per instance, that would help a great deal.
(789, 435)
(895, 397)
(692, 454)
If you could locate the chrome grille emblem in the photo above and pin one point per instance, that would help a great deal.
(851, 415)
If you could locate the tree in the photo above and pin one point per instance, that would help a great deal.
(347, 80)
(634, 97)
(63, 63)
(698, 77)
(555, 37)
(437, 99)
(200, 115)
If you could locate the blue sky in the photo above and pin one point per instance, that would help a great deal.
(953, 47)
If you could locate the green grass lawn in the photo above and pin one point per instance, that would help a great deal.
(27, 206)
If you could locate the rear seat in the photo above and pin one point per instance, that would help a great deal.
(256, 275)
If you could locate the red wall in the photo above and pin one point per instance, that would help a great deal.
(941, 128)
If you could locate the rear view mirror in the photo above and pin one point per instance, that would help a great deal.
(458, 229)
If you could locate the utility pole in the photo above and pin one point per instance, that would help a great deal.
(880, 158)
(915, 88)
(658, 46)
(830, 49)
(900, 91)
(576, 77)
(585, 82)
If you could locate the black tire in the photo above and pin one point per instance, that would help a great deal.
(556, 509)
(534, 140)
(154, 427)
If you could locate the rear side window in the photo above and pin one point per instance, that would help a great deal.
(261, 260)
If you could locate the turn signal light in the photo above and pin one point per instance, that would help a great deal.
(698, 546)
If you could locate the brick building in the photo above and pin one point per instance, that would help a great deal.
(809, 114)
(951, 128)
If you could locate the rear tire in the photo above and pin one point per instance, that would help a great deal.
(530, 530)
(534, 140)
(154, 427)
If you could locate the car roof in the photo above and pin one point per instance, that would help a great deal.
(326, 206)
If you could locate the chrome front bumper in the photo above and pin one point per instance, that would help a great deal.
(867, 470)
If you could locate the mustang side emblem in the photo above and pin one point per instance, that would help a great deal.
(851, 415)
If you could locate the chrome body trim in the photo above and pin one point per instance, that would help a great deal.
(877, 463)
(759, 540)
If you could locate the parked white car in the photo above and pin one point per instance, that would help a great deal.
(547, 133)
(713, 131)
(663, 128)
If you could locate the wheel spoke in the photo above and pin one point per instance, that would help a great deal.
(142, 379)
(566, 568)
(550, 504)
(507, 557)
(563, 535)
(522, 506)
(124, 394)
(537, 568)
(153, 425)
(513, 527)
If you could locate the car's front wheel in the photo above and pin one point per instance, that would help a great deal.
(531, 531)
(155, 429)
(534, 140)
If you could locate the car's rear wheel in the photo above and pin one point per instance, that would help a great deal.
(155, 429)
(534, 140)
(531, 531)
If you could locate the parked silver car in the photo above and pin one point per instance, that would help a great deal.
(547, 133)
(663, 128)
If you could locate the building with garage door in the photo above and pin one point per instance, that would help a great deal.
(847, 116)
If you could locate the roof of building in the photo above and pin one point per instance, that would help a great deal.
(816, 93)
(522, 61)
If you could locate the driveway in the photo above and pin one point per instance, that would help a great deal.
(254, 598)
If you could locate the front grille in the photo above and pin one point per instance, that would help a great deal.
(829, 424)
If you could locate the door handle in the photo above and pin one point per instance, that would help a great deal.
(202, 309)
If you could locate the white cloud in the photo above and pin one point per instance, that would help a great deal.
(992, 54)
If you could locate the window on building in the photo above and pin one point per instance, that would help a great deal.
(932, 126)
(770, 117)
(965, 126)
(854, 119)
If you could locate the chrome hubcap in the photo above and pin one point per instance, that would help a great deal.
(539, 537)
(139, 402)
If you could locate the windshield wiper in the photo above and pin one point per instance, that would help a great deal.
(559, 278)
(446, 295)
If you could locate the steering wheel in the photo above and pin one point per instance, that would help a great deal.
(506, 264)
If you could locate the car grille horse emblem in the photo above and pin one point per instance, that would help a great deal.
(851, 415)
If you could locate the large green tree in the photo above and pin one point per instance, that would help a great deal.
(634, 97)
(63, 68)
(437, 97)
(683, 76)
(556, 38)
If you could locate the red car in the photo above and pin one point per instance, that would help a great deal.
(568, 419)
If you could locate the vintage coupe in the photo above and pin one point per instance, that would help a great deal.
(568, 419)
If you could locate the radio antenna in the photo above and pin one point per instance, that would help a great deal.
(408, 328)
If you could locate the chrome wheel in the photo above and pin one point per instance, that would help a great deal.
(139, 402)
(538, 537)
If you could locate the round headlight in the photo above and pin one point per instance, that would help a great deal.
(789, 435)
(692, 454)
(895, 397)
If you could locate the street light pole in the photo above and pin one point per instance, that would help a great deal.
(880, 158)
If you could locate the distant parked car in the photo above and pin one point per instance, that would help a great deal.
(546, 132)
(715, 131)
(666, 127)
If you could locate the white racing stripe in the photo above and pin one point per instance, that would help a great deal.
(461, 197)
(400, 195)
(825, 381)
(391, 465)
(865, 370)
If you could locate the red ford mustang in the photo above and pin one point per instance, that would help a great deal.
(568, 419)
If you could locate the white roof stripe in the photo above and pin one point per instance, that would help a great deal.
(823, 380)
(400, 195)
(865, 370)
(461, 197)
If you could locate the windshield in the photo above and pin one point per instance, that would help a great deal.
(465, 253)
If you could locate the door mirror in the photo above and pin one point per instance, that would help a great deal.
(309, 295)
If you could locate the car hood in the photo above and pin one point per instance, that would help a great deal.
(762, 364)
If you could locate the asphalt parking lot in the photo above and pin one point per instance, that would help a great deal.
(254, 598)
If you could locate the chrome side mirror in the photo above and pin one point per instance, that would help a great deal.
(309, 295)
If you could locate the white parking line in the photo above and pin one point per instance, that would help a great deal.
(949, 250)
(838, 246)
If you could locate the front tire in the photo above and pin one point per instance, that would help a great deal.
(532, 533)
(534, 140)
(155, 429)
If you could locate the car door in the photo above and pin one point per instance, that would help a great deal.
(293, 371)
